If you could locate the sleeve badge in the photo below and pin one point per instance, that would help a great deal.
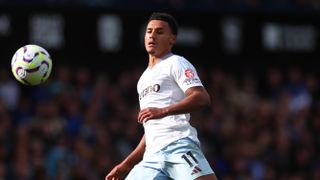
(189, 73)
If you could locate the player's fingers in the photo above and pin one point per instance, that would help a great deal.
(140, 116)
(143, 119)
(143, 115)
(112, 175)
(112, 178)
(109, 177)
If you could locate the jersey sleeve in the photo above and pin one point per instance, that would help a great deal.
(185, 74)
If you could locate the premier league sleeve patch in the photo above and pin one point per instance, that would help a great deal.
(185, 74)
(189, 73)
(191, 77)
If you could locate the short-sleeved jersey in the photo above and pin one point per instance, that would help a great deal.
(161, 86)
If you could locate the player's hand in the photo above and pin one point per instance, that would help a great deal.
(151, 113)
(118, 172)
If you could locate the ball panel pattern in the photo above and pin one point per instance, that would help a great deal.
(31, 65)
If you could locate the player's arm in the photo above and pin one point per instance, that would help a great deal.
(122, 169)
(196, 98)
(137, 154)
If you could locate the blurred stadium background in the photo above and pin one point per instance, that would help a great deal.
(258, 59)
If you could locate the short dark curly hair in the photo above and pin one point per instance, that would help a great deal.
(167, 18)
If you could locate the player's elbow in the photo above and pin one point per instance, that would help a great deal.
(206, 100)
(200, 97)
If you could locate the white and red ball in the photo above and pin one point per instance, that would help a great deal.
(31, 65)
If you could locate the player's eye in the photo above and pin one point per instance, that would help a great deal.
(159, 31)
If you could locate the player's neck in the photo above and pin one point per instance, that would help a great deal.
(153, 61)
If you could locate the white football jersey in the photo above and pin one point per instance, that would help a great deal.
(161, 86)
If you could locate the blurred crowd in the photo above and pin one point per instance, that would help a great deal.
(174, 4)
(82, 122)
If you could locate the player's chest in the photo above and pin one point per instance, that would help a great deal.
(154, 77)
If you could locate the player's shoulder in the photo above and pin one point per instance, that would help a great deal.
(178, 59)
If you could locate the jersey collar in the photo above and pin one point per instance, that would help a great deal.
(166, 56)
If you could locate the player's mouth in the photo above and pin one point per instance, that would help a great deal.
(151, 44)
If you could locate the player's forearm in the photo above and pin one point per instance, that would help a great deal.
(137, 154)
(195, 100)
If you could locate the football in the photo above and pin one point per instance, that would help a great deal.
(31, 65)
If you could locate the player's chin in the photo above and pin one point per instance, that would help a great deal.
(150, 50)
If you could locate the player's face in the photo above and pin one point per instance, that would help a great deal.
(158, 39)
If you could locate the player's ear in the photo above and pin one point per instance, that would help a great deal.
(173, 40)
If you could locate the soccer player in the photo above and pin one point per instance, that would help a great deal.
(169, 90)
